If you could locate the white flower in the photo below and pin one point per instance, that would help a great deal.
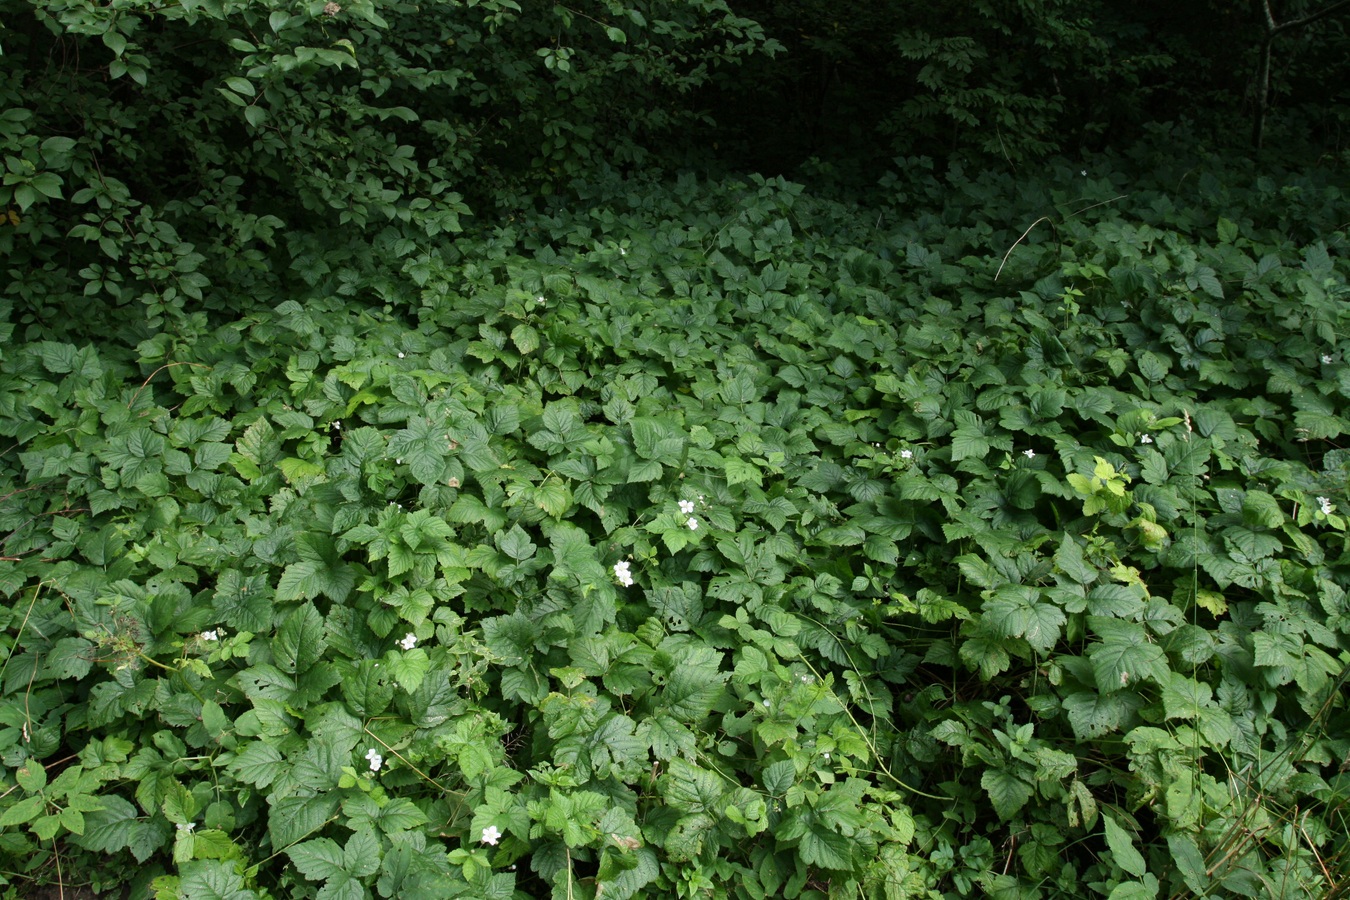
(621, 572)
(1029, 453)
(1326, 505)
(491, 835)
(827, 756)
(623, 252)
(906, 454)
(187, 826)
(1083, 173)
(400, 354)
(376, 760)
(211, 635)
(1326, 358)
(692, 523)
(766, 704)
(686, 506)
(539, 300)
(409, 641)
(1145, 439)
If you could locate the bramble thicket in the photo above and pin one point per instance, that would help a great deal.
(674, 448)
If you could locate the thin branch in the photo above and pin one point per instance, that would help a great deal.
(1306, 20)
(1015, 243)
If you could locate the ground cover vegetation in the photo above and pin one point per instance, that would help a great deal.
(414, 486)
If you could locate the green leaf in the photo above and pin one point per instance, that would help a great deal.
(779, 776)
(110, 829)
(828, 849)
(1121, 844)
(1185, 698)
(295, 818)
(213, 880)
(1189, 862)
(258, 763)
(425, 446)
(1093, 715)
(23, 811)
(1152, 366)
(361, 855)
(969, 440)
(516, 544)
(1125, 657)
(1007, 792)
(300, 640)
(408, 667)
(1132, 890)
(240, 85)
(318, 860)
(691, 789)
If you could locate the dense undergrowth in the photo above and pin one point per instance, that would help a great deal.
(704, 540)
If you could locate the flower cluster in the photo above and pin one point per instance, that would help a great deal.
(1326, 505)
(211, 635)
(686, 509)
(1145, 439)
(375, 759)
(623, 573)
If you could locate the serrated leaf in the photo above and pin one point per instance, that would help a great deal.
(213, 880)
(828, 849)
(516, 544)
(1093, 715)
(294, 818)
(1121, 844)
(525, 338)
(361, 855)
(258, 763)
(23, 811)
(1132, 890)
(424, 446)
(1007, 792)
(318, 860)
(1185, 698)
(1125, 657)
(779, 776)
(111, 828)
(667, 737)
(408, 667)
(300, 641)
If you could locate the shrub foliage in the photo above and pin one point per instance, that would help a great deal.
(704, 539)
